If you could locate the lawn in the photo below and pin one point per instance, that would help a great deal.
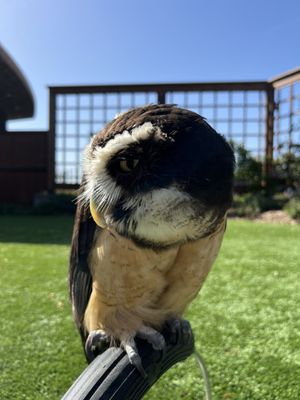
(246, 320)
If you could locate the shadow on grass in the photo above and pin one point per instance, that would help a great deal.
(54, 229)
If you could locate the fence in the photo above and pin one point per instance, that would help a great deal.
(287, 113)
(242, 111)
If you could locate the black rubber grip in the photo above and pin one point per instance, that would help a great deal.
(111, 376)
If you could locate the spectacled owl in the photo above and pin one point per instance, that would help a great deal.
(151, 214)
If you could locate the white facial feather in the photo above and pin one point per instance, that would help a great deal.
(99, 183)
(166, 216)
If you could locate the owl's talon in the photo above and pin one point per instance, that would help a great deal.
(186, 331)
(181, 331)
(153, 337)
(135, 360)
(133, 355)
(96, 343)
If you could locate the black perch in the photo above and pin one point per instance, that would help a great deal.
(110, 376)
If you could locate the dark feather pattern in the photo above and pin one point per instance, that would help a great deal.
(167, 117)
(80, 278)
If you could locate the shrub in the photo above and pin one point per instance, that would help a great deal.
(293, 208)
(14, 209)
(251, 204)
(61, 203)
(271, 202)
(44, 204)
(245, 205)
(248, 170)
(287, 170)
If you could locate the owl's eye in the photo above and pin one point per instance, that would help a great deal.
(127, 165)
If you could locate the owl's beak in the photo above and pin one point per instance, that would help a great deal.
(97, 216)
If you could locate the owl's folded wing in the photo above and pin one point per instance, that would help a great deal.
(80, 278)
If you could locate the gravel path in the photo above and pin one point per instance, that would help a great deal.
(278, 217)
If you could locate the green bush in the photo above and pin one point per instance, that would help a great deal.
(14, 209)
(252, 204)
(271, 202)
(44, 204)
(293, 208)
(245, 205)
(60, 203)
(287, 169)
(248, 170)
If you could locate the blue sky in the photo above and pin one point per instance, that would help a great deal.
(62, 42)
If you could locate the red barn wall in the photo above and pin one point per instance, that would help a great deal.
(23, 166)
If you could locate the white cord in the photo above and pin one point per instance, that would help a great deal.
(204, 373)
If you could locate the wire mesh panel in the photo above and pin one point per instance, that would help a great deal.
(236, 110)
(287, 117)
(78, 117)
(239, 115)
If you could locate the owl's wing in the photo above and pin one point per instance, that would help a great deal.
(80, 278)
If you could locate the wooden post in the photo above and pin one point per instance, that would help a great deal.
(161, 97)
(51, 143)
(268, 162)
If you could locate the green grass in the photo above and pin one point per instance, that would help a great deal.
(246, 320)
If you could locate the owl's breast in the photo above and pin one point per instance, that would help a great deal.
(127, 274)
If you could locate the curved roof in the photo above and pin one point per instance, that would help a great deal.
(16, 99)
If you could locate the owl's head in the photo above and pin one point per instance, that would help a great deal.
(159, 175)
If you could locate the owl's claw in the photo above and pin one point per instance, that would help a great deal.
(153, 337)
(133, 355)
(96, 343)
(180, 330)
